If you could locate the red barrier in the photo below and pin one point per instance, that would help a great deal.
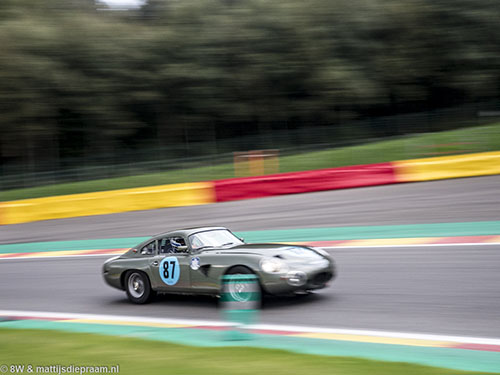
(302, 182)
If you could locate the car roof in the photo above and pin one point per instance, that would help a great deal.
(187, 231)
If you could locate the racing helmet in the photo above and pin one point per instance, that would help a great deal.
(175, 244)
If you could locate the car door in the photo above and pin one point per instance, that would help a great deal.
(205, 273)
(169, 268)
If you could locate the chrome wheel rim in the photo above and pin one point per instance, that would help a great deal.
(136, 285)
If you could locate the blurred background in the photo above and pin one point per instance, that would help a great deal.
(163, 91)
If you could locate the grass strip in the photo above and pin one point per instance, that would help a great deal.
(138, 356)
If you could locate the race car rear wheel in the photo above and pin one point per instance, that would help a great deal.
(137, 287)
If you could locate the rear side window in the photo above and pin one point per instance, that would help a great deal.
(149, 249)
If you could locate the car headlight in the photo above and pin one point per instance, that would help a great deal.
(296, 278)
(273, 265)
(321, 252)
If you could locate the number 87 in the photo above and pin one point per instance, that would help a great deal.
(166, 273)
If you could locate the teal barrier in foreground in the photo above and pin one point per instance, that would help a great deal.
(240, 301)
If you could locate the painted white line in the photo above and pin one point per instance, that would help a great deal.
(60, 256)
(412, 245)
(269, 327)
(389, 334)
(115, 318)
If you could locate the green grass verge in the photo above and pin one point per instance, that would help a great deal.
(476, 139)
(137, 356)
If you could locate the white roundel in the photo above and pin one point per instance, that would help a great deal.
(195, 263)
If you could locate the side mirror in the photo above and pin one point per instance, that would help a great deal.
(242, 239)
(182, 249)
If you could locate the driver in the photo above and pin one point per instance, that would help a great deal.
(175, 244)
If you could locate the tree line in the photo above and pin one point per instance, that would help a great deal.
(77, 81)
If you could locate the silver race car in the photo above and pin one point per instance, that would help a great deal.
(193, 261)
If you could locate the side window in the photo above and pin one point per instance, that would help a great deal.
(149, 249)
(168, 245)
(195, 242)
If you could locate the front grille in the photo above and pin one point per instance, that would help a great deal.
(321, 278)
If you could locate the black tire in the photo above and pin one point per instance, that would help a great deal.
(239, 270)
(138, 287)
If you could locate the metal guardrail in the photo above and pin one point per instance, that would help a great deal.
(182, 157)
(96, 172)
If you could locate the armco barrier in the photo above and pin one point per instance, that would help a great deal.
(301, 182)
(106, 202)
(480, 164)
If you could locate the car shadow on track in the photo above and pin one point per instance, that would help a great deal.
(185, 300)
(201, 302)
(171, 300)
(276, 302)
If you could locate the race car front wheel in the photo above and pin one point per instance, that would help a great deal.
(137, 287)
(244, 291)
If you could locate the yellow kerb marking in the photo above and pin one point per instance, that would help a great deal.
(374, 339)
(61, 253)
(52, 253)
(117, 251)
(493, 240)
(22, 255)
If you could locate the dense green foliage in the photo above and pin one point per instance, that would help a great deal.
(77, 82)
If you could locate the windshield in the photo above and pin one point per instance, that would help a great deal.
(213, 238)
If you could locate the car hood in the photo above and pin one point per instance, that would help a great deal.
(291, 253)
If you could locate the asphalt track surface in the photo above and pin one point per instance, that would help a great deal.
(459, 200)
(443, 290)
